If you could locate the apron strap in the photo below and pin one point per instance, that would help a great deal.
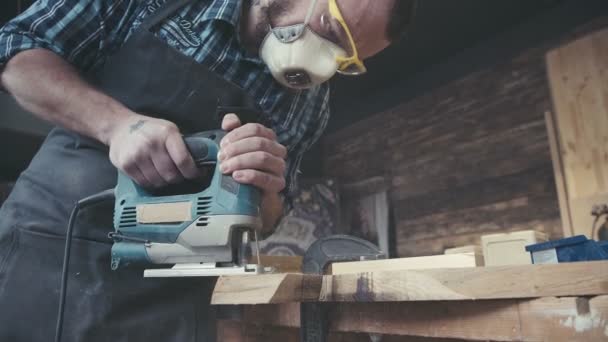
(168, 8)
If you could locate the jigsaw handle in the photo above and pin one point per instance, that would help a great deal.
(204, 147)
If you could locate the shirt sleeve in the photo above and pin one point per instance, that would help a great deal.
(80, 31)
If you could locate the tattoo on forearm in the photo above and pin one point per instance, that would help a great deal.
(134, 127)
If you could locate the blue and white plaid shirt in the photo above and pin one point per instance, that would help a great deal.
(86, 32)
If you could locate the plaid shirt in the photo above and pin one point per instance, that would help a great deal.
(86, 32)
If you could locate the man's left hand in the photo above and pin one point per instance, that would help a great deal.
(252, 155)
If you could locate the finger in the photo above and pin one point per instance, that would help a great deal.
(166, 167)
(136, 175)
(253, 144)
(146, 166)
(230, 122)
(266, 182)
(258, 160)
(246, 131)
(181, 156)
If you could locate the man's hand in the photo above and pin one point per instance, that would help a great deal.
(151, 151)
(252, 155)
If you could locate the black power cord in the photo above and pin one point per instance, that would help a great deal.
(103, 196)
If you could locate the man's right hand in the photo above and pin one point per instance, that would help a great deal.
(151, 151)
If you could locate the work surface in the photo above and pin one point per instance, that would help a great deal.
(565, 302)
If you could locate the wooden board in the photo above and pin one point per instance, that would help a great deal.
(564, 319)
(267, 288)
(459, 260)
(520, 281)
(578, 74)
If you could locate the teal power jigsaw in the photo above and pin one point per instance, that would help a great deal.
(203, 229)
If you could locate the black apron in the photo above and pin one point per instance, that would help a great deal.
(150, 78)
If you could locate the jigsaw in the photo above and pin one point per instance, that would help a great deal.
(204, 229)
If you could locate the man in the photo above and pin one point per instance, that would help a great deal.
(123, 80)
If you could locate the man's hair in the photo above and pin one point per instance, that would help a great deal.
(401, 18)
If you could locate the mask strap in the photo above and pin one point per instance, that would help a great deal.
(311, 10)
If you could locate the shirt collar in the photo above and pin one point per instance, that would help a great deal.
(230, 12)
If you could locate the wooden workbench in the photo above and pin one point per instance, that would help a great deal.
(565, 302)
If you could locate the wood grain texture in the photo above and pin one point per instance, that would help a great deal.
(578, 74)
(501, 282)
(546, 319)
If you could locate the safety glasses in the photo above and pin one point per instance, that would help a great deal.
(351, 65)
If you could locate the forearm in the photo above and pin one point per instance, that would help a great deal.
(272, 209)
(49, 87)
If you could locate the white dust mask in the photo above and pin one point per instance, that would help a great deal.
(298, 57)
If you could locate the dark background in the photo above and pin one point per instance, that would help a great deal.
(449, 40)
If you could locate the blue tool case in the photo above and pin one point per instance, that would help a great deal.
(576, 248)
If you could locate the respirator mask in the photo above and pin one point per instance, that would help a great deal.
(298, 57)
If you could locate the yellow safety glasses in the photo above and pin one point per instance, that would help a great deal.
(351, 65)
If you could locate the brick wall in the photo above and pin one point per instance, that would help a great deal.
(468, 158)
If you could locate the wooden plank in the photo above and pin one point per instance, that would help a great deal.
(545, 319)
(521, 281)
(578, 75)
(517, 281)
(460, 260)
(266, 289)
